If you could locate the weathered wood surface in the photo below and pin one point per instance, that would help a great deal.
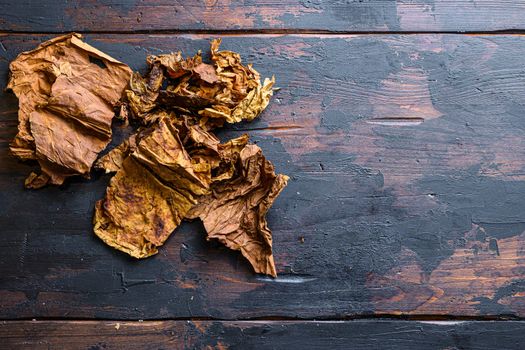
(107, 335)
(265, 15)
(406, 155)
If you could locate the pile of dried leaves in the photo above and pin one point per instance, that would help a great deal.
(173, 168)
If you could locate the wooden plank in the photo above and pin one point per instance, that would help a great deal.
(362, 334)
(406, 155)
(262, 15)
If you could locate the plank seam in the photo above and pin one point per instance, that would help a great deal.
(226, 32)
(254, 321)
(378, 317)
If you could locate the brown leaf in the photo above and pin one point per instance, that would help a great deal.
(175, 65)
(143, 92)
(66, 90)
(173, 167)
(235, 211)
(229, 186)
(151, 192)
(138, 214)
(112, 161)
(36, 181)
(225, 91)
(206, 72)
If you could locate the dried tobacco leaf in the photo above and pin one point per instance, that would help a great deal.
(229, 186)
(235, 210)
(143, 92)
(66, 90)
(173, 167)
(112, 161)
(153, 189)
(137, 214)
(224, 91)
(176, 66)
(243, 88)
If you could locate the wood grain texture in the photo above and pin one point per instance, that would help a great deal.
(262, 15)
(394, 335)
(406, 155)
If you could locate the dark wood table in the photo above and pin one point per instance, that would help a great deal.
(402, 127)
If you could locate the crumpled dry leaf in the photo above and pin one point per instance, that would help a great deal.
(143, 92)
(65, 106)
(235, 210)
(176, 66)
(229, 186)
(137, 214)
(112, 161)
(153, 189)
(224, 91)
(173, 167)
(201, 141)
(243, 88)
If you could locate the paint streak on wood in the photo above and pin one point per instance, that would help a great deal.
(477, 271)
(404, 96)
